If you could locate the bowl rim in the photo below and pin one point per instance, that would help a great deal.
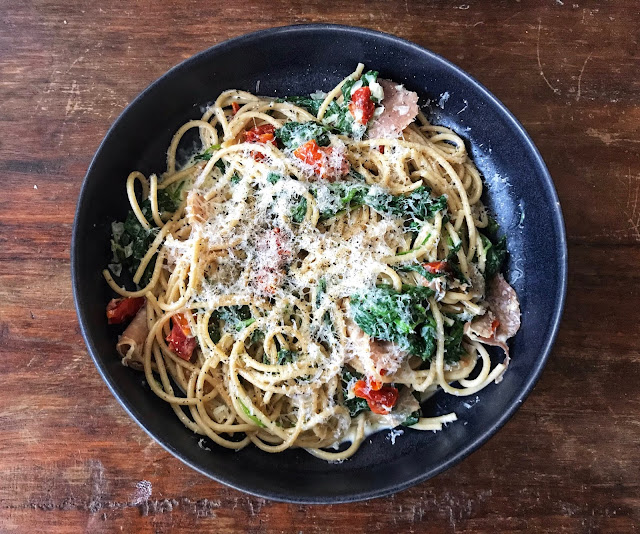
(557, 221)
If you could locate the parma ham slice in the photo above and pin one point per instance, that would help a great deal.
(400, 108)
(502, 319)
(131, 342)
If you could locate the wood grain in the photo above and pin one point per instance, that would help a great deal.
(567, 462)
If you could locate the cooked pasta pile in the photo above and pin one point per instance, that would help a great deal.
(320, 266)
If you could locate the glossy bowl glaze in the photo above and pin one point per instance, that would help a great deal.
(299, 60)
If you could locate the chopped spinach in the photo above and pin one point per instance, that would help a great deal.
(419, 205)
(418, 292)
(412, 418)
(339, 119)
(294, 134)
(214, 328)
(347, 88)
(250, 415)
(492, 228)
(453, 262)
(453, 249)
(299, 210)
(320, 292)
(286, 356)
(130, 241)
(308, 103)
(369, 77)
(418, 268)
(428, 335)
(344, 196)
(207, 154)
(241, 325)
(453, 341)
(365, 80)
(495, 249)
(385, 313)
(403, 318)
(235, 318)
(337, 116)
(398, 316)
(257, 336)
(170, 198)
(355, 405)
(496, 255)
(137, 237)
(273, 177)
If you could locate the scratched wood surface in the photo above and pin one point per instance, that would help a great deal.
(70, 458)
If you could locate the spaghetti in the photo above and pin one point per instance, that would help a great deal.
(321, 266)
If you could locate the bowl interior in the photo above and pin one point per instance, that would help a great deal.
(300, 60)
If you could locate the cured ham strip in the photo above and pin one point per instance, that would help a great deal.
(503, 301)
(131, 342)
(502, 319)
(400, 108)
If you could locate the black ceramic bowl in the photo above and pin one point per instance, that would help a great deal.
(298, 60)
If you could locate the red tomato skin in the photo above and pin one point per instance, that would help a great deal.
(436, 267)
(264, 134)
(361, 106)
(319, 159)
(120, 310)
(180, 341)
(309, 153)
(261, 134)
(380, 400)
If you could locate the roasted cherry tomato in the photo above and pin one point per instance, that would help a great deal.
(264, 134)
(235, 107)
(361, 106)
(326, 163)
(123, 309)
(180, 339)
(261, 134)
(436, 267)
(309, 153)
(379, 398)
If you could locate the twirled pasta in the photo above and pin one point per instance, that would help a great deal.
(206, 258)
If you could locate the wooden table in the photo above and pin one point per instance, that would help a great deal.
(72, 461)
